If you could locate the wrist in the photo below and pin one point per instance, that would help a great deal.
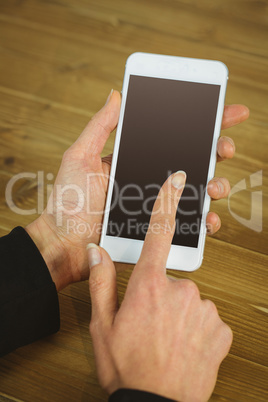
(52, 251)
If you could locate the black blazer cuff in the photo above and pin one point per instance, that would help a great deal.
(134, 395)
(29, 307)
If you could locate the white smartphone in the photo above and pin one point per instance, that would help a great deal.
(170, 120)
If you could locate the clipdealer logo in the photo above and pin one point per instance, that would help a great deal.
(255, 220)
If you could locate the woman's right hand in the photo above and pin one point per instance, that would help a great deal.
(163, 339)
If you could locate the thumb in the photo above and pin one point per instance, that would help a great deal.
(97, 131)
(102, 286)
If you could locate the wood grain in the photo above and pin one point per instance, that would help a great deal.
(58, 61)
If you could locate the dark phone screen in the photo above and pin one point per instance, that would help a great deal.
(168, 126)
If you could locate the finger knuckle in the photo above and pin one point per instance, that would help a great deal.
(72, 154)
(66, 155)
(98, 124)
(95, 328)
(170, 200)
(92, 327)
(171, 197)
(156, 283)
(98, 284)
(227, 334)
(210, 307)
(164, 227)
(189, 287)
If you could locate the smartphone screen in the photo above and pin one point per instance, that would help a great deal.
(168, 126)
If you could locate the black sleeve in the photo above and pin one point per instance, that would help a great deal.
(134, 395)
(29, 307)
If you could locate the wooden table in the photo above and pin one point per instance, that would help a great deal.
(58, 61)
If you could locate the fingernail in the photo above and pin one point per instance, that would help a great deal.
(178, 179)
(220, 187)
(94, 255)
(209, 228)
(109, 97)
(230, 141)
